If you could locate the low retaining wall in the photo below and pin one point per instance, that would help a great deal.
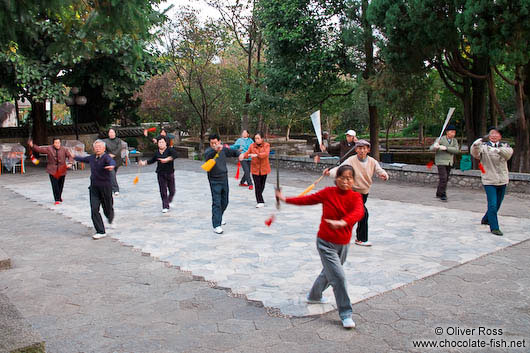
(416, 174)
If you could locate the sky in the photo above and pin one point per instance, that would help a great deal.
(205, 11)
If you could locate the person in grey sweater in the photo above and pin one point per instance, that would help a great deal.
(114, 147)
(446, 148)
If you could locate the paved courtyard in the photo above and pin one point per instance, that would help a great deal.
(274, 265)
(277, 265)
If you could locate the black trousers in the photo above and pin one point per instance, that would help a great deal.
(443, 178)
(259, 186)
(166, 181)
(101, 196)
(362, 225)
(246, 173)
(57, 187)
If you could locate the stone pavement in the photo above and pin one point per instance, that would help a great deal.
(122, 301)
(277, 265)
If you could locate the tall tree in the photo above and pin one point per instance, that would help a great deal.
(465, 41)
(42, 42)
(240, 17)
(194, 50)
(315, 46)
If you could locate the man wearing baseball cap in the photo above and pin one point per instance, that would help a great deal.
(348, 144)
(446, 147)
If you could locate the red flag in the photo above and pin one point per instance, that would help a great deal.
(151, 129)
(237, 173)
(481, 167)
(430, 164)
(269, 220)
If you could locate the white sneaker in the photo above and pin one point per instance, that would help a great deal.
(363, 243)
(322, 300)
(165, 210)
(116, 193)
(260, 205)
(223, 222)
(348, 323)
(99, 236)
(218, 230)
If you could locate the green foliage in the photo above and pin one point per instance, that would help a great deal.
(98, 46)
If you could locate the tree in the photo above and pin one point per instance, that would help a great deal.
(465, 41)
(317, 46)
(241, 19)
(42, 42)
(193, 50)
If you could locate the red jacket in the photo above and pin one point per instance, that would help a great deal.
(259, 165)
(337, 204)
(56, 159)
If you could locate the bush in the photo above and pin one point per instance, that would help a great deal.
(131, 142)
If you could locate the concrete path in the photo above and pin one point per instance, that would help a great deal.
(84, 295)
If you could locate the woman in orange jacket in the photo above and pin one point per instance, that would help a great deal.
(259, 166)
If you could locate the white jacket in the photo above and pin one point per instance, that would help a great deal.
(494, 160)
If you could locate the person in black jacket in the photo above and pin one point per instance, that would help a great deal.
(164, 156)
(218, 178)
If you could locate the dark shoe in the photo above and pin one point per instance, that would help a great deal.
(443, 198)
(438, 196)
(497, 232)
(484, 222)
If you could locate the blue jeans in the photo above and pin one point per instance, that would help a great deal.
(495, 195)
(219, 189)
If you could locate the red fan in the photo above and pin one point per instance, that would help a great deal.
(430, 164)
(481, 167)
(151, 129)
(237, 173)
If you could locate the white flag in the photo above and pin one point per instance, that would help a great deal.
(449, 114)
(315, 119)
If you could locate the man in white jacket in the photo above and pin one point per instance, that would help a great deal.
(494, 156)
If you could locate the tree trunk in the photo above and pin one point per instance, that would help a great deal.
(288, 130)
(492, 95)
(245, 119)
(367, 74)
(521, 158)
(16, 112)
(480, 67)
(38, 114)
(420, 132)
(374, 128)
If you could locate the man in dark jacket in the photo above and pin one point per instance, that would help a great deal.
(57, 165)
(101, 166)
(218, 178)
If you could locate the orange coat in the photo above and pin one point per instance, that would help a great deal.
(259, 165)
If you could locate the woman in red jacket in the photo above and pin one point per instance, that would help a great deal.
(56, 166)
(259, 166)
(341, 209)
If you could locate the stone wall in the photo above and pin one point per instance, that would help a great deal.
(416, 174)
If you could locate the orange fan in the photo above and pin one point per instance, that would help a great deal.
(151, 129)
(430, 164)
(481, 167)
